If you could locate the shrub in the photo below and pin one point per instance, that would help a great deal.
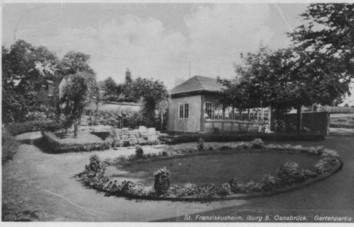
(224, 190)
(328, 152)
(288, 173)
(269, 182)
(324, 164)
(224, 148)
(235, 187)
(248, 187)
(112, 118)
(308, 173)
(95, 164)
(32, 126)
(9, 146)
(162, 180)
(200, 144)
(115, 118)
(257, 143)
(125, 144)
(41, 113)
(139, 152)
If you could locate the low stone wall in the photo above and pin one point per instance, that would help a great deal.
(129, 137)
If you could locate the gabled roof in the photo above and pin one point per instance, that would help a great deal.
(198, 83)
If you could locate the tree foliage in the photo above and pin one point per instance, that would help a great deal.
(74, 99)
(24, 69)
(77, 62)
(316, 69)
(152, 92)
(328, 35)
(109, 86)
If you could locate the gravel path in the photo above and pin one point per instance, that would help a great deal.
(39, 186)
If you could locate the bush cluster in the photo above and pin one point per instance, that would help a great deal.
(117, 119)
(9, 146)
(41, 113)
(112, 118)
(139, 152)
(287, 175)
(56, 145)
(32, 126)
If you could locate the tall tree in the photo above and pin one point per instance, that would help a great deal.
(74, 100)
(109, 86)
(128, 77)
(284, 79)
(152, 92)
(77, 62)
(328, 36)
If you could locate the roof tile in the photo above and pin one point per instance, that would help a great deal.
(198, 83)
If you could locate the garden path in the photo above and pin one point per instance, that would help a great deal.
(42, 183)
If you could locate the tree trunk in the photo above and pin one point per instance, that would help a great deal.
(249, 114)
(76, 127)
(299, 120)
(161, 121)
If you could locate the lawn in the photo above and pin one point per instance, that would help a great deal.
(213, 168)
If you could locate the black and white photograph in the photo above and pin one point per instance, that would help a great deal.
(174, 112)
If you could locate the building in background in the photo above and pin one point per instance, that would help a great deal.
(195, 107)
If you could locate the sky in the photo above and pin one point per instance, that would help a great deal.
(164, 41)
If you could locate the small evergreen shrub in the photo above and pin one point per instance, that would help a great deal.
(235, 187)
(162, 180)
(200, 144)
(139, 153)
(95, 165)
(9, 146)
(257, 143)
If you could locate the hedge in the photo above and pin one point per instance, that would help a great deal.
(227, 137)
(32, 126)
(54, 144)
(10, 145)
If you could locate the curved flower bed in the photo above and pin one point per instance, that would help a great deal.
(288, 176)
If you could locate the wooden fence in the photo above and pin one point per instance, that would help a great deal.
(235, 126)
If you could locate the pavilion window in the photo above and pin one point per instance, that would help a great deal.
(181, 111)
(186, 110)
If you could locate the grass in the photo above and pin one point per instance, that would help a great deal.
(213, 168)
